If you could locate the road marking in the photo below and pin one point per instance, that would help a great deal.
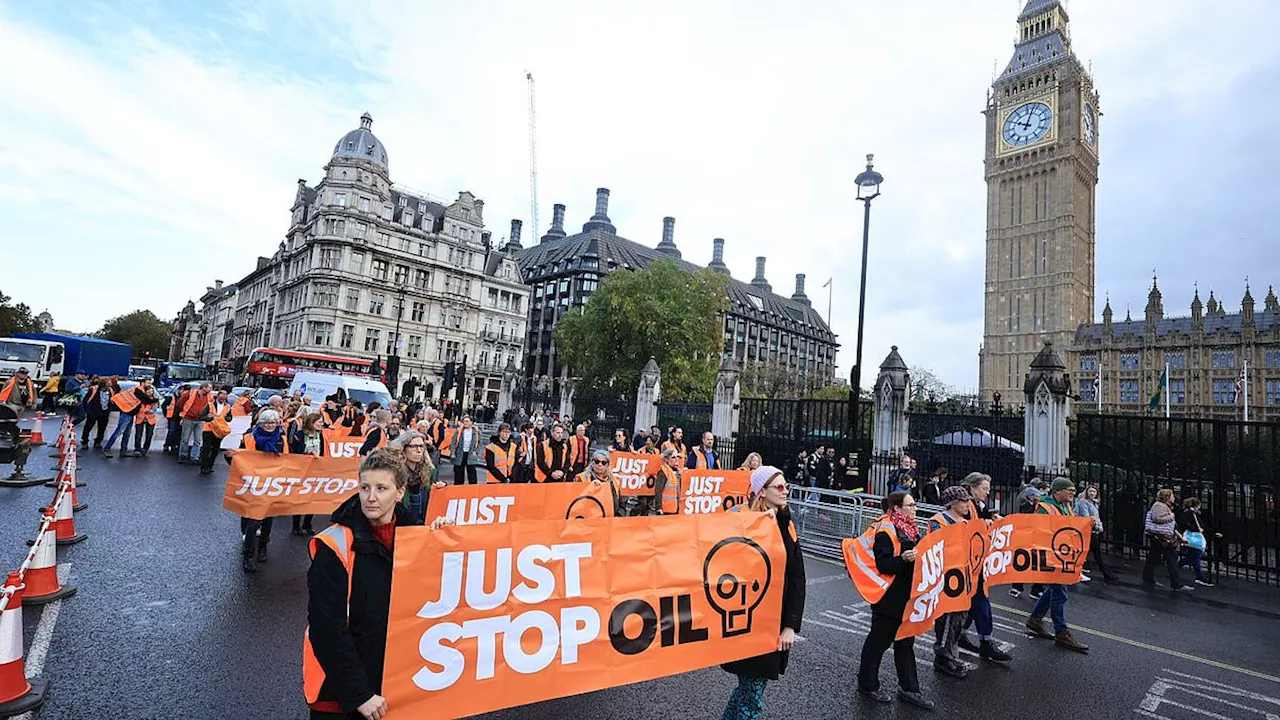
(34, 662)
(1223, 687)
(1160, 687)
(826, 579)
(1155, 648)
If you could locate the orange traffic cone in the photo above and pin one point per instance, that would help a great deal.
(41, 576)
(64, 523)
(69, 472)
(17, 694)
(37, 432)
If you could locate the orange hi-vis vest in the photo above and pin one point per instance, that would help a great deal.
(860, 560)
(242, 406)
(700, 459)
(522, 447)
(251, 444)
(681, 448)
(943, 519)
(670, 491)
(339, 538)
(1048, 508)
(446, 443)
(566, 460)
(7, 391)
(217, 411)
(125, 401)
(147, 414)
(503, 458)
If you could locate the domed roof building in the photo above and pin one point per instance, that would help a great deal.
(362, 144)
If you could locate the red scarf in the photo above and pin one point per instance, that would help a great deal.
(905, 524)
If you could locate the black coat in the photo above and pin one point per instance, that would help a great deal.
(773, 664)
(351, 652)
(895, 598)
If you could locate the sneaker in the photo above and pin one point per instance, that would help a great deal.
(106, 453)
(877, 695)
(991, 653)
(249, 565)
(1036, 627)
(967, 644)
(1015, 593)
(1184, 589)
(915, 698)
(1085, 578)
(950, 669)
(1065, 639)
(1036, 595)
(1204, 583)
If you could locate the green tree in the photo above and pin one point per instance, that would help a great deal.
(15, 318)
(141, 329)
(661, 311)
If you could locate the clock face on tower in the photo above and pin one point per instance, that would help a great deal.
(1027, 124)
(1090, 126)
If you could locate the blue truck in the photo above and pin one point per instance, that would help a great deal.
(92, 356)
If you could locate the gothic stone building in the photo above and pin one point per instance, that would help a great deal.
(759, 327)
(1206, 354)
(1041, 172)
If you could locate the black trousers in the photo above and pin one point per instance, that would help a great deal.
(252, 540)
(141, 443)
(173, 433)
(1156, 554)
(1095, 552)
(468, 469)
(883, 629)
(302, 522)
(208, 451)
(90, 422)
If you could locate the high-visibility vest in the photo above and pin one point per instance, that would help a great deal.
(681, 448)
(339, 538)
(504, 459)
(146, 415)
(446, 443)
(1047, 508)
(7, 390)
(671, 491)
(435, 432)
(943, 519)
(566, 461)
(251, 444)
(217, 411)
(581, 446)
(700, 459)
(860, 560)
(242, 406)
(522, 447)
(126, 401)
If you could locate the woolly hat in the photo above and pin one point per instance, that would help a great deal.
(955, 493)
(762, 475)
(1061, 484)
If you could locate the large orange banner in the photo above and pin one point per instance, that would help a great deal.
(503, 502)
(634, 472)
(1049, 549)
(947, 567)
(340, 443)
(263, 485)
(707, 491)
(485, 617)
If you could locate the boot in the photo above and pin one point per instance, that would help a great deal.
(967, 644)
(1037, 628)
(915, 698)
(262, 553)
(1064, 639)
(249, 565)
(991, 653)
(950, 668)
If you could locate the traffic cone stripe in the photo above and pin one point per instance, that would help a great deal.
(13, 677)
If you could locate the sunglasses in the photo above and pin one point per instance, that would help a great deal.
(779, 486)
(599, 462)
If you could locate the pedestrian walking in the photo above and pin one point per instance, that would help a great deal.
(1053, 601)
(216, 425)
(267, 436)
(307, 439)
(1028, 500)
(1163, 542)
(895, 540)
(979, 486)
(958, 508)
(746, 702)
(193, 406)
(97, 412)
(349, 595)
(1087, 506)
(1191, 526)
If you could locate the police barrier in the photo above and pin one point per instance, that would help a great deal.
(824, 518)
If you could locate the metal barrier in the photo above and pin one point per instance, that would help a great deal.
(824, 518)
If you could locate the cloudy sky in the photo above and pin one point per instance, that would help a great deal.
(148, 147)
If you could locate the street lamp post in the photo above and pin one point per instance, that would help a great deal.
(868, 183)
(393, 364)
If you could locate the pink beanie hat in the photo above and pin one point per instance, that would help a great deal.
(762, 475)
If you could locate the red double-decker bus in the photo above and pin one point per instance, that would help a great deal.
(274, 368)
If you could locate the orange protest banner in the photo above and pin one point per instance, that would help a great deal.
(1048, 549)
(634, 472)
(707, 491)
(262, 485)
(503, 503)
(490, 617)
(947, 567)
(340, 443)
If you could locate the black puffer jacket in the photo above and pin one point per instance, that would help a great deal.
(771, 665)
(351, 653)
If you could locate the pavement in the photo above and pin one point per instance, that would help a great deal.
(165, 624)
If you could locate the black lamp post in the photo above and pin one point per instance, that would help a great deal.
(393, 362)
(868, 183)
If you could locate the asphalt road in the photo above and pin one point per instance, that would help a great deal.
(165, 624)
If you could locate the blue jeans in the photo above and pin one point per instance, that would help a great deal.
(124, 424)
(1054, 603)
(417, 503)
(980, 613)
(1192, 558)
(746, 702)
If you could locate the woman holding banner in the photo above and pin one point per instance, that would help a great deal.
(415, 450)
(350, 595)
(769, 494)
(268, 437)
(667, 484)
(307, 439)
(598, 471)
(895, 541)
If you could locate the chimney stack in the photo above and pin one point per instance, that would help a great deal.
(799, 296)
(486, 239)
(217, 284)
(668, 244)
(600, 221)
(758, 280)
(557, 224)
(513, 240)
(717, 256)
(479, 206)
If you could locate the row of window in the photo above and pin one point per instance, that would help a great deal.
(320, 333)
(1225, 392)
(1220, 360)
(1042, 315)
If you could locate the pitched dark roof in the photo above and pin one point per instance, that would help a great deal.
(1232, 323)
(435, 209)
(613, 251)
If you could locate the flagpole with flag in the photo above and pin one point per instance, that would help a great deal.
(1244, 382)
(830, 289)
(1163, 389)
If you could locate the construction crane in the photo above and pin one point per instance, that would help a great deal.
(533, 156)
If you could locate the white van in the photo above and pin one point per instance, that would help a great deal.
(321, 385)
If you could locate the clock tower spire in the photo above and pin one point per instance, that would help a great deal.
(1041, 169)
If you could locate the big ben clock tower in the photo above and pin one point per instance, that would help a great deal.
(1041, 172)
